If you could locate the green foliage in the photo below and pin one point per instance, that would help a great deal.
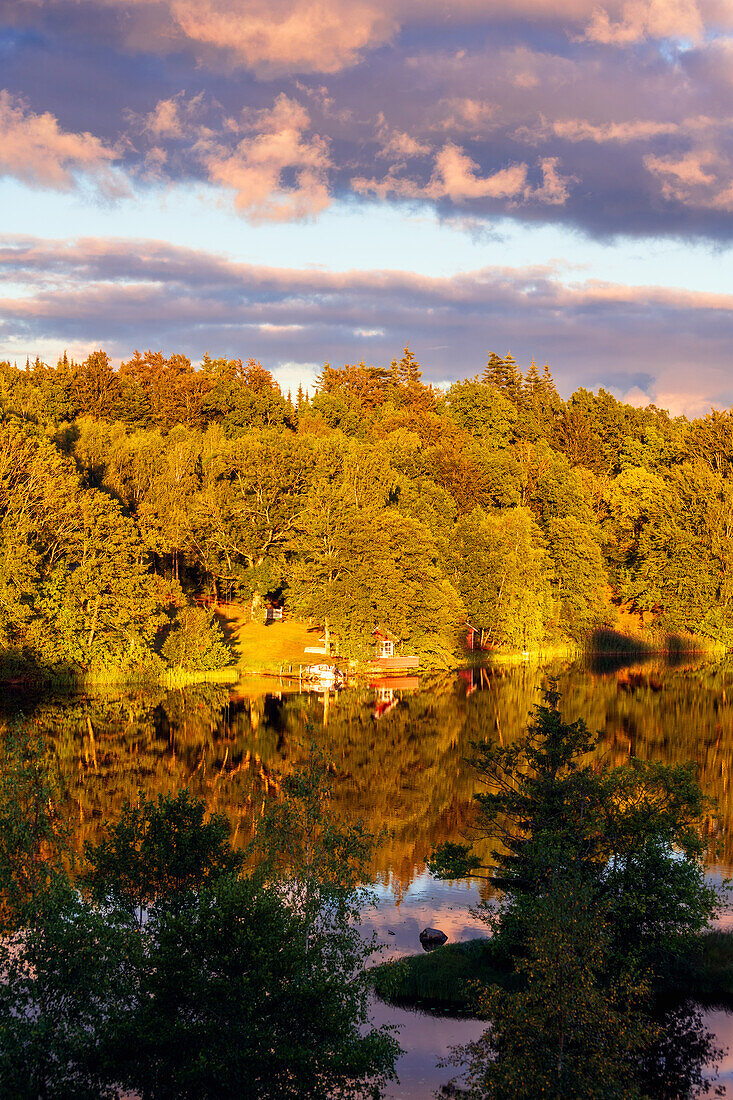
(503, 575)
(632, 833)
(195, 641)
(156, 852)
(32, 837)
(565, 1032)
(66, 981)
(172, 975)
(73, 588)
(604, 897)
(211, 479)
(579, 577)
(445, 978)
(241, 397)
(482, 411)
(315, 857)
(362, 564)
(231, 1005)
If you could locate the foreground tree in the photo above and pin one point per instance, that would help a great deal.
(32, 837)
(175, 975)
(564, 1031)
(230, 1004)
(157, 852)
(604, 894)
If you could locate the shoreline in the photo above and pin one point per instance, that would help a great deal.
(234, 673)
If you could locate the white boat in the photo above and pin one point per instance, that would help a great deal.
(323, 675)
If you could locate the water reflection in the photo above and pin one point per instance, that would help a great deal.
(399, 758)
(399, 762)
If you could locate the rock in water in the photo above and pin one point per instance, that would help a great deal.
(432, 937)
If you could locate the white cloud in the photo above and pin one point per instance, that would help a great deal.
(291, 375)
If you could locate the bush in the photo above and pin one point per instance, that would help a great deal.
(195, 642)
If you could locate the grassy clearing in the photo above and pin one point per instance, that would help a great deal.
(179, 677)
(257, 647)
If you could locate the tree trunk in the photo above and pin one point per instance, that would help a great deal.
(93, 627)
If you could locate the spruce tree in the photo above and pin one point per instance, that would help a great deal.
(532, 380)
(493, 371)
(408, 370)
(512, 379)
(548, 388)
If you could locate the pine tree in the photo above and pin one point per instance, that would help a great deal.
(548, 387)
(408, 370)
(493, 371)
(512, 379)
(532, 380)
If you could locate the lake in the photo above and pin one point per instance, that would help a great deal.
(399, 763)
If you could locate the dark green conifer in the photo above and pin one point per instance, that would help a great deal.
(493, 371)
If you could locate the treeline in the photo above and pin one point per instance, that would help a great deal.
(379, 500)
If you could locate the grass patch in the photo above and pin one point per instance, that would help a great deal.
(710, 978)
(440, 980)
(260, 647)
(180, 677)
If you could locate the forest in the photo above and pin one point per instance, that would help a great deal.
(132, 500)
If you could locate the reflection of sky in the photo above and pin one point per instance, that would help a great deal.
(425, 1039)
(398, 919)
(401, 914)
(721, 1023)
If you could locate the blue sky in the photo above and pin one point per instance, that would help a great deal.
(305, 182)
(367, 235)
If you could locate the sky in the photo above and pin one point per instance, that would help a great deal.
(302, 181)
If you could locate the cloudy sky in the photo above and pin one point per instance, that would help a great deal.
(310, 180)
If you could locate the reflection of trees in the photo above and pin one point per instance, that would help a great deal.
(404, 772)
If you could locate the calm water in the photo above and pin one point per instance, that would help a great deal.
(400, 765)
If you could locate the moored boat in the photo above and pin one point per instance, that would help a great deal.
(323, 676)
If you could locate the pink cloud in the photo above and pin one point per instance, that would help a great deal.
(176, 118)
(465, 114)
(700, 178)
(254, 169)
(396, 145)
(276, 36)
(35, 149)
(273, 37)
(123, 293)
(578, 129)
(641, 19)
(456, 177)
